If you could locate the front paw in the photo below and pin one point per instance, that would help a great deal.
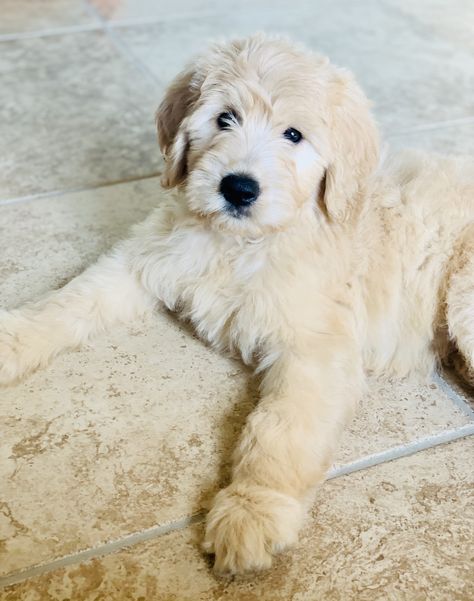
(20, 348)
(247, 524)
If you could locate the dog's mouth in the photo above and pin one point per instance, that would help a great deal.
(238, 212)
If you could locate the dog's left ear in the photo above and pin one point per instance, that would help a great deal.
(354, 145)
(171, 118)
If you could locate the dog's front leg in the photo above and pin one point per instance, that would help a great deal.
(105, 293)
(285, 450)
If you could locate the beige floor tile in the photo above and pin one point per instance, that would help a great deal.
(74, 112)
(401, 531)
(125, 435)
(413, 76)
(136, 430)
(456, 139)
(47, 241)
(396, 412)
(19, 16)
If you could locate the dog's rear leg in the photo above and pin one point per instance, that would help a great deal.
(284, 452)
(105, 293)
(460, 307)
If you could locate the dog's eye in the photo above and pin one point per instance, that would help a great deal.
(225, 120)
(293, 135)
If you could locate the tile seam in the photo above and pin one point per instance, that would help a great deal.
(121, 46)
(64, 191)
(403, 450)
(102, 550)
(457, 399)
(192, 14)
(46, 33)
(156, 20)
(130, 540)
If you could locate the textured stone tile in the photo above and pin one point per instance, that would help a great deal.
(456, 139)
(398, 411)
(114, 439)
(73, 113)
(47, 241)
(138, 429)
(401, 531)
(413, 76)
(110, 439)
(19, 16)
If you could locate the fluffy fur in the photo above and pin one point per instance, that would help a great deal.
(341, 266)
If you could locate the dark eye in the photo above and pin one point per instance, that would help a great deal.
(293, 135)
(225, 120)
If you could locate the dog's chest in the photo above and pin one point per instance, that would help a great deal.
(232, 305)
(224, 287)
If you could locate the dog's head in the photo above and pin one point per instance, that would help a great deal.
(256, 130)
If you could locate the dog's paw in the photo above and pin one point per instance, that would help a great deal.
(18, 347)
(10, 353)
(247, 524)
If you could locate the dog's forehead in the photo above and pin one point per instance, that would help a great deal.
(272, 77)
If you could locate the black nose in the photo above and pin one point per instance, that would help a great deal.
(239, 189)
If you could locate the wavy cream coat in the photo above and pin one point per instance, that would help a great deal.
(342, 266)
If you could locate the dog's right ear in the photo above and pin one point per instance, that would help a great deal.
(355, 145)
(171, 118)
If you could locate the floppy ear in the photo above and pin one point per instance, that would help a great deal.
(171, 117)
(354, 143)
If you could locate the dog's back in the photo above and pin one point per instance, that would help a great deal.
(427, 214)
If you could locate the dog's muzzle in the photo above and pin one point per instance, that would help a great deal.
(239, 190)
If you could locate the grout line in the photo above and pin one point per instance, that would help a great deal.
(169, 17)
(453, 396)
(61, 192)
(166, 18)
(152, 533)
(404, 450)
(57, 31)
(108, 27)
(127, 541)
(104, 23)
(121, 46)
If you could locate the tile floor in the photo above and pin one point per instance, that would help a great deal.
(109, 457)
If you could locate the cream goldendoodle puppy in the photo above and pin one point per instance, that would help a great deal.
(288, 244)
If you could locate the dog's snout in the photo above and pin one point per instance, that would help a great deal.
(239, 189)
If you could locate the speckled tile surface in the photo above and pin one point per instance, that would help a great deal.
(115, 439)
(411, 81)
(138, 429)
(20, 16)
(45, 242)
(396, 412)
(401, 531)
(74, 113)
